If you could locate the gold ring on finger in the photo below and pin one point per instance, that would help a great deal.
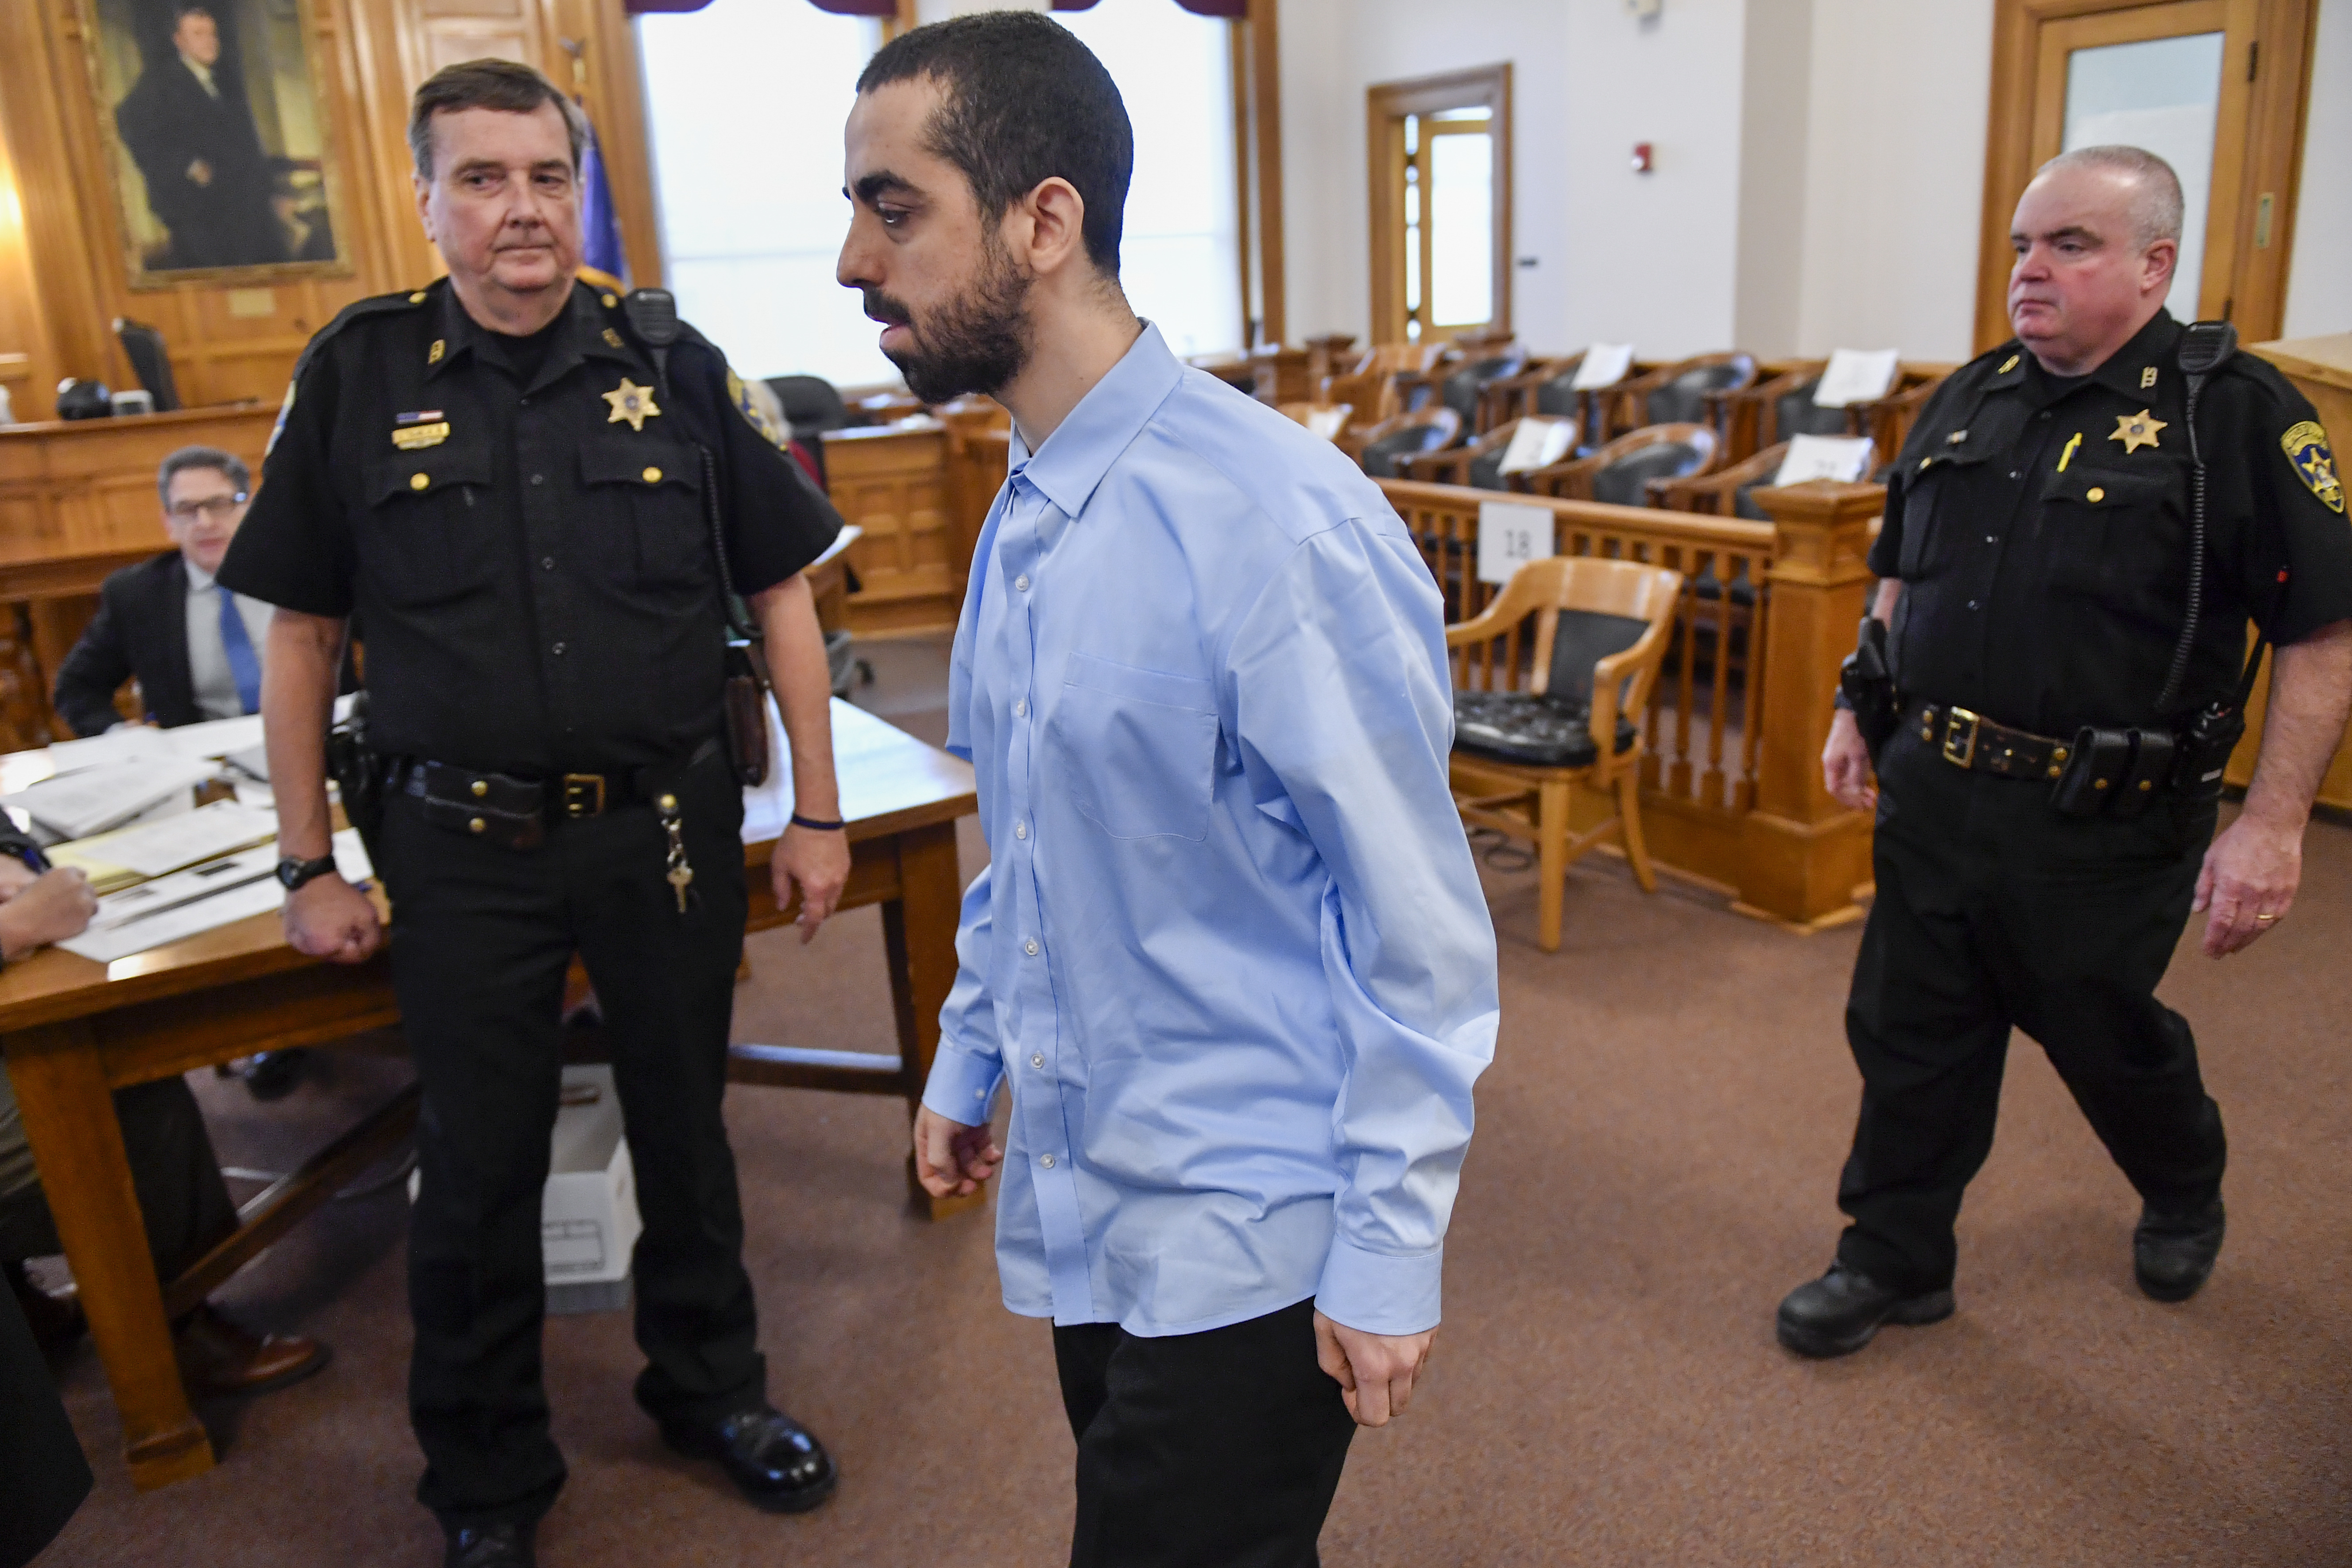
(2266, 919)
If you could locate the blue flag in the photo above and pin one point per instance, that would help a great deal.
(600, 225)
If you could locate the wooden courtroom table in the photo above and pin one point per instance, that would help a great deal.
(73, 1031)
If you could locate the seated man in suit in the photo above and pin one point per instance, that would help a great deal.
(182, 1197)
(194, 647)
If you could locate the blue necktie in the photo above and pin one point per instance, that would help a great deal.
(244, 664)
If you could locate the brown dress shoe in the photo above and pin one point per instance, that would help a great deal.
(57, 1320)
(218, 1358)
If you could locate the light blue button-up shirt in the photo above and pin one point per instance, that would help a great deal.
(1230, 953)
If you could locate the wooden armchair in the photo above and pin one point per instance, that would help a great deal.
(1464, 382)
(1676, 394)
(1541, 388)
(1370, 395)
(1621, 471)
(1602, 628)
(1752, 418)
(1725, 492)
(1383, 447)
(1478, 464)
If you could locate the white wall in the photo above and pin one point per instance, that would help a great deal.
(2319, 279)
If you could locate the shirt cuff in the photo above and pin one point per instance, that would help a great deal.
(1376, 1293)
(961, 1084)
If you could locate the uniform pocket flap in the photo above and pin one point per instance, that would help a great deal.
(2090, 488)
(422, 473)
(642, 463)
(1141, 685)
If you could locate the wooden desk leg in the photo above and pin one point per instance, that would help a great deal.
(69, 1120)
(919, 928)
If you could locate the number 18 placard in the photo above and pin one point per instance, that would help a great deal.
(1509, 536)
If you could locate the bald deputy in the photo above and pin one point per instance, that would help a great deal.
(525, 500)
(2068, 655)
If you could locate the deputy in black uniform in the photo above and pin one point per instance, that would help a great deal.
(2047, 795)
(506, 487)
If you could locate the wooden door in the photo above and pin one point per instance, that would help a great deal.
(1441, 206)
(2216, 87)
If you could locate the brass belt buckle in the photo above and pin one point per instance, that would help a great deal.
(1959, 752)
(584, 796)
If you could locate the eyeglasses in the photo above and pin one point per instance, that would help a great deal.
(214, 507)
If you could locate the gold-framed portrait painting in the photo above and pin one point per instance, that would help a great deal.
(217, 139)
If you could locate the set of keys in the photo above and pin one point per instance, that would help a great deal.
(680, 875)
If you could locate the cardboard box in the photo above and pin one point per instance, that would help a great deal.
(588, 1222)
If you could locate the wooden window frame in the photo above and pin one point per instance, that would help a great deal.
(2268, 171)
(1386, 104)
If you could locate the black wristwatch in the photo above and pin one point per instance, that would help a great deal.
(294, 871)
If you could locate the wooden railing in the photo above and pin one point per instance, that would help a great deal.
(1731, 787)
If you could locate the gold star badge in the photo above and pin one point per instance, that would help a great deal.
(2134, 431)
(632, 402)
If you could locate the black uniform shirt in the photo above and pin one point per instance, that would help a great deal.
(2041, 527)
(527, 552)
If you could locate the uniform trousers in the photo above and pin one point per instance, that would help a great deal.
(1993, 912)
(482, 937)
(1217, 1448)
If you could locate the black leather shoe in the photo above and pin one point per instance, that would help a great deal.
(1839, 1313)
(492, 1546)
(2173, 1254)
(778, 1462)
(272, 1075)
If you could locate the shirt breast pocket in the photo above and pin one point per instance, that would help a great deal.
(429, 535)
(645, 505)
(2121, 540)
(1137, 749)
(1931, 502)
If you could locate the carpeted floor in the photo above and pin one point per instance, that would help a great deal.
(1657, 1147)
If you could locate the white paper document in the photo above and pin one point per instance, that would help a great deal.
(214, 737)
(1604, 365)
(1328, 421)
(1509, 536)
(154, 849)
(1855, 376)
(1843, 458)
(199, 900)
(93, 799)
(768, 808)
(130, 743)
(1538, 444)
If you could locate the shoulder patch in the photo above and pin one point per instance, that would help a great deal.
(2306, 449)
(749, 408)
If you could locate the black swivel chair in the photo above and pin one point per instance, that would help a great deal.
(149, 360)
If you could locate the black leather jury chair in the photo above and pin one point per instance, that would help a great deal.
(1679, 396)
(1622, 471)
(1387, 445)
(1478, 464)
(149, 360)
(812, 404)
(1462, 387)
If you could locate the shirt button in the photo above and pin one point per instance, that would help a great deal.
(1047, 1162)
(1021, 582)
(1038, 1060)
(558, 649)
(1972, 603)
(546, 563)
(2014, 474)
(1992, 539)
(539, 478)
(1030, 947)
(1020, 830)
(1020, 710)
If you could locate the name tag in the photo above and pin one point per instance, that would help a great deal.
(417, 437)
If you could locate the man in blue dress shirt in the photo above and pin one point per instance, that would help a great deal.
(1232, 956)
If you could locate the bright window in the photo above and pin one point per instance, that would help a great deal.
(1179, 258)
(745, 100)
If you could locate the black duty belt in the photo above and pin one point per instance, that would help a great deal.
(1970, 741)
(515, 812)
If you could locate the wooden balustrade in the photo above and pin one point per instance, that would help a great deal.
(1731, 788)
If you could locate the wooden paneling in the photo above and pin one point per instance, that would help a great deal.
(894, 482)
(230, 343)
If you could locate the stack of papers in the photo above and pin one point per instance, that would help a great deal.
(217, 893)
(1839, 458)
(1538, 443)
(1855, 376)
(117, 859)
(93, 799)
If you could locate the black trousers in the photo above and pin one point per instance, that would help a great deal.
(1221, 1447)
(480, 940)
(173, 1172)
(1993, 911)
(46, 1476)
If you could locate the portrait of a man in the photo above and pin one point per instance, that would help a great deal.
(221, 160)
